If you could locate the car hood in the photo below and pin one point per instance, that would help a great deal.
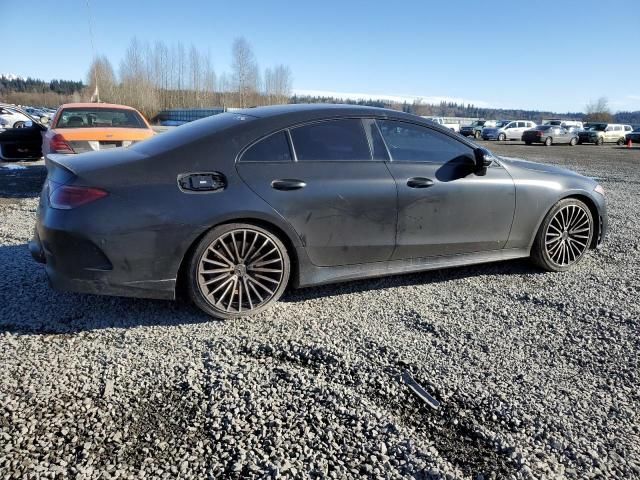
(537, 167)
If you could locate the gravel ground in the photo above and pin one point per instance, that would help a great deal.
(537, 373)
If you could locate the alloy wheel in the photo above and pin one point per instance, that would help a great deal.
(240, 271)
(567, 236)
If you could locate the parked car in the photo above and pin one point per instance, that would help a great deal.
(85, 127)
(507, 130)
(548, 135)
(23, 142)
(563, 123)
(600, 133)
(475, 129)
(14, 116)
(634, 136)
(239, 206)
(440, 121)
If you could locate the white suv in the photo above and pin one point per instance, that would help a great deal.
(507, 130)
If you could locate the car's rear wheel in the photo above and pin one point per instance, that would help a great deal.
(599, 141)
(18, 125)
(477, 135)
(573, 141)
(502, 137)
(564, 236)
(237, 270)
(548, 142)
(620, 141)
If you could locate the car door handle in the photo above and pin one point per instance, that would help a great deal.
(419, 182)
(287, 184)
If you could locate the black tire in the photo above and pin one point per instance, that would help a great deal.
(573, 141)
(237, 274)
(527, 143)
(599, 141)
(477, 135)
(19, 124)
(552, 242)
(548, 142)
(620, 141)
(502, 137)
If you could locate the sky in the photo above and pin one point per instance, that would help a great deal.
(549, 55)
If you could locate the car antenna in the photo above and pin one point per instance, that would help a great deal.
(95, 98)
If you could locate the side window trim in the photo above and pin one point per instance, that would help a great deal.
(292, 147)
(417, 125)
(239, 157)
(325, 120)
(367, 124)
(384, 142)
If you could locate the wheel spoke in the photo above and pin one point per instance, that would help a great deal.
(235, 247)
(260, 284)
(266, 270)
(216, 279)
(263, 256)
(213, 262)
(248, 293)
(226, 249)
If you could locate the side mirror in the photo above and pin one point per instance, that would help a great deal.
(484, 158)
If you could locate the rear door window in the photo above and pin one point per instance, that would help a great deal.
(331, 140)
(274, 148)
(408, 142)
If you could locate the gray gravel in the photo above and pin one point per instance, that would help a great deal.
(537, 373)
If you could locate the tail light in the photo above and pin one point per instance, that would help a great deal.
(66, 197)
(539, 133)
(58, 144)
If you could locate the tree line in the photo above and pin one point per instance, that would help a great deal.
(158, 77)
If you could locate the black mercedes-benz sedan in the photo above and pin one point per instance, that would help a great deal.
(236, 207)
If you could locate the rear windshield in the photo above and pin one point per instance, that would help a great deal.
(542, 127)
(190, 132)
(99, 118)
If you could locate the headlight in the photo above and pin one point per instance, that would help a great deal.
(599, 189)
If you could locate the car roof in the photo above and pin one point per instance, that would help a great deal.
(313, 110)
(95, 105)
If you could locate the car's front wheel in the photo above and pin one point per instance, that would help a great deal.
(548, 142)
(502, 137)
(620, 141)
(599, 141)
(564, 236)
(237, 270)
(477, 135)
(573, 142)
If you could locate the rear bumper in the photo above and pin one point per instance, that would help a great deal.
(74, 263)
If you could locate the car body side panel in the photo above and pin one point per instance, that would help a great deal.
(460, 213)
(345, 214)
(537, 192)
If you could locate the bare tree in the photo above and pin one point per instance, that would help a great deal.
(101, 71)
(598, 111)
(244, 70)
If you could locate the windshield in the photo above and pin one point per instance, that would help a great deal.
(479, 123)
(502, 124)
(598, 128)
(100, 117)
